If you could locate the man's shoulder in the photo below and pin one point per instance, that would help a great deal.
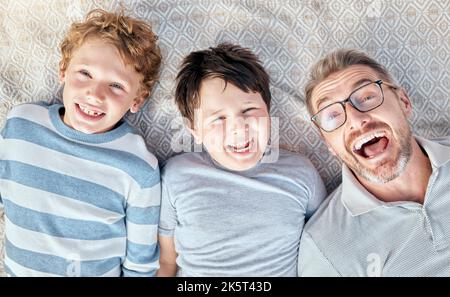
(330, 214)
(444, 140)
(333, 230)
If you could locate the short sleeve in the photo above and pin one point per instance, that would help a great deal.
(168, 217)
(311, 261)
(319, 193)
(2, 163)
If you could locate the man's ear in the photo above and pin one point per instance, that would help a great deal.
(138, 102)
(405, 102)
(330, 148)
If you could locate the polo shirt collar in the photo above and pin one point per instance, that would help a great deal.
(437, 153)
(356, 199)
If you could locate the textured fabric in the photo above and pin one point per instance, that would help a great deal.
(410, 37)
(76, 204)
(354, 234)
(244, 223)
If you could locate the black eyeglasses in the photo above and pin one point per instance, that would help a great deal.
(365, 98)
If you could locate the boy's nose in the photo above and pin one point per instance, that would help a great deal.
(96, 93)
(237, 125)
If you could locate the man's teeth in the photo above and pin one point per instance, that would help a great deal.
(90, 112)
(360, 142)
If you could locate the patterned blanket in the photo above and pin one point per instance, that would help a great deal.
(410, 37)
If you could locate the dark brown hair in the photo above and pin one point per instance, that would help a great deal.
(232, 63)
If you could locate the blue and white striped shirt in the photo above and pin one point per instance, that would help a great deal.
(76, 204)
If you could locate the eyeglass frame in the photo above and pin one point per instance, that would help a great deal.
(378, 82)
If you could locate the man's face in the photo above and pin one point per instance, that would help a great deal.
(376, 144)
(234, 126)
(98, 88)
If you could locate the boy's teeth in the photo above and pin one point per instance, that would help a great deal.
(241, 147)
(89, 112)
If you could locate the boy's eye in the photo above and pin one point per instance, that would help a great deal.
(117, 86)
(221, 118)
(85, 73)
(249, 109)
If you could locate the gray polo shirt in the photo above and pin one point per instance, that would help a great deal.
(238, 223)
(355, 234)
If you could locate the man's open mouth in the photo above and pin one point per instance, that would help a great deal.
(371, 145)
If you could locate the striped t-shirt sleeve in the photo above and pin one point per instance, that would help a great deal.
(1, 164)
(142, 216)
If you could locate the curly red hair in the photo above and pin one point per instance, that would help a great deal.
(134, 39)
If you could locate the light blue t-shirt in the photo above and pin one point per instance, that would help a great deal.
(238, 223)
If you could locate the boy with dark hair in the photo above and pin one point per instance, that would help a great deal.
(226, 211)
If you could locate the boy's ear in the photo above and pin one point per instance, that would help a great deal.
(62, 71)
(61, 76)
(196, 134)
(138, 102)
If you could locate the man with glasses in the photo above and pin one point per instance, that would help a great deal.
(391, 214)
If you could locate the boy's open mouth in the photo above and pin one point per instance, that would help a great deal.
(89, 112)
(241, 147)
(371, 145)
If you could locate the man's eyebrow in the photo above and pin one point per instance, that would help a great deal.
(360, 82)
(322, 100)
(357, 84)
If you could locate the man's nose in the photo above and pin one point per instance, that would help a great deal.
(355, 118)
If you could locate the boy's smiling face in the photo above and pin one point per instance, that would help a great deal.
(234, 126)
(99, 88)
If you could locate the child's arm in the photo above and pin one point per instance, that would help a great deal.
(142, 216)
(167, 224)
(168, 257)
(318, 193)
(2, 146)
